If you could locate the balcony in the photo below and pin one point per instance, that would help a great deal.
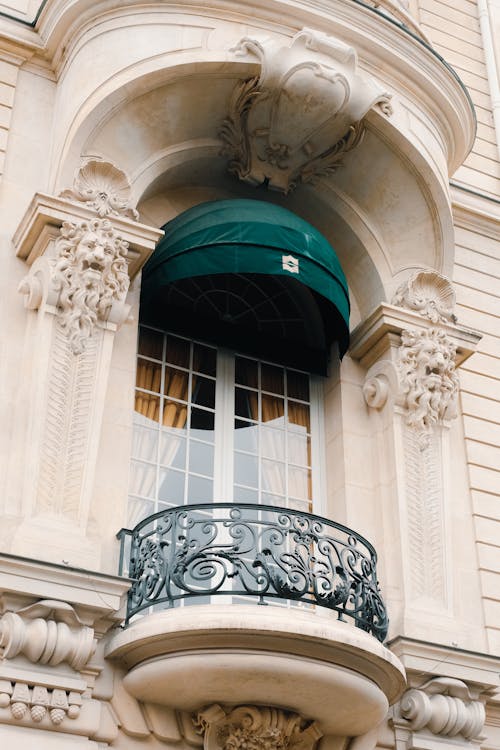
(254, 551)
(198, 573)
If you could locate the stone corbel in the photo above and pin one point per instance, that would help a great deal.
(443, 707)
(255, 728)
(297, 119)
(48, 632)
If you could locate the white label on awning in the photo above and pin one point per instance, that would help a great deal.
(290, 263)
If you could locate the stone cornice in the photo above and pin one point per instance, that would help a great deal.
(471, 211)
(388, 321)
(422, 659)
(47, 213)
(95, 596)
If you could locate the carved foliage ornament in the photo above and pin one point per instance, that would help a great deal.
(295, 121)
(443, 706)
(89, 274)
(255, 728)
(104, 188)
(429, 294)
(429, 382)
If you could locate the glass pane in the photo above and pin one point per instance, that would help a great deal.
(148, 407)
(273, 409)
(246, 372)
(276, 500)
(201, 458)
(200, 490)
(142, 479)
(246, 403)
(273, 443)
(178, 351)
(174, 414)
(246, 436)
(271, 379)
(299, 483)
(273, 477)
(150, 343)
(246, 469)
(176, 383)
(204, 359)
(299, 448)
(144, 443)
(297, 385)
(203, 392)
(171, 486)
(148, 375)
(204, 422)
(173, 450)
(299, 417)
(139, 509)
(244, 495)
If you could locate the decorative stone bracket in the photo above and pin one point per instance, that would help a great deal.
(30, 632)
(412, 349)
(444, 707)
(255, 728)
(296, 120)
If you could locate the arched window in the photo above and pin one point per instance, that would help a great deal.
(240, 303)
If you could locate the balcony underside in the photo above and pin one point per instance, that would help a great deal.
(305, 661)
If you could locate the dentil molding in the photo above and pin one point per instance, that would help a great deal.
(296, 120)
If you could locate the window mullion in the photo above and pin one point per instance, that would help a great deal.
(224, 428)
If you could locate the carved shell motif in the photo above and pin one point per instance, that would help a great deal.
(430, 294)
(104, 187)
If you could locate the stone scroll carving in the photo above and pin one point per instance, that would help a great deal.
(296, 120)
(445, 707)
(255, 728)
(104, 188)
(48, 632)
(429, 383)
(428, 293)
(88, 279)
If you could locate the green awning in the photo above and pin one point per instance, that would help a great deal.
(252, 237)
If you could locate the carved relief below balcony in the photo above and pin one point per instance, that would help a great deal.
(296, 121)
(255, 728)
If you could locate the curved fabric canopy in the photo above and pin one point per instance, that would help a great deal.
(252, 237)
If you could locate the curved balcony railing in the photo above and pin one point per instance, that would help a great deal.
(244, 550)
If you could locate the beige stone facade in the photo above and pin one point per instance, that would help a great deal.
(378, 123)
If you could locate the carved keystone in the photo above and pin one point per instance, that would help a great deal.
(295, 122)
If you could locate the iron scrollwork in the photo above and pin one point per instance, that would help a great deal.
(242, 550)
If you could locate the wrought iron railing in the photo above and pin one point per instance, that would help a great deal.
(244, 550)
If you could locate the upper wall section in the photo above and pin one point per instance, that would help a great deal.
(148, 87)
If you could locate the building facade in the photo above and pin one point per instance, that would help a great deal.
(251, 304)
